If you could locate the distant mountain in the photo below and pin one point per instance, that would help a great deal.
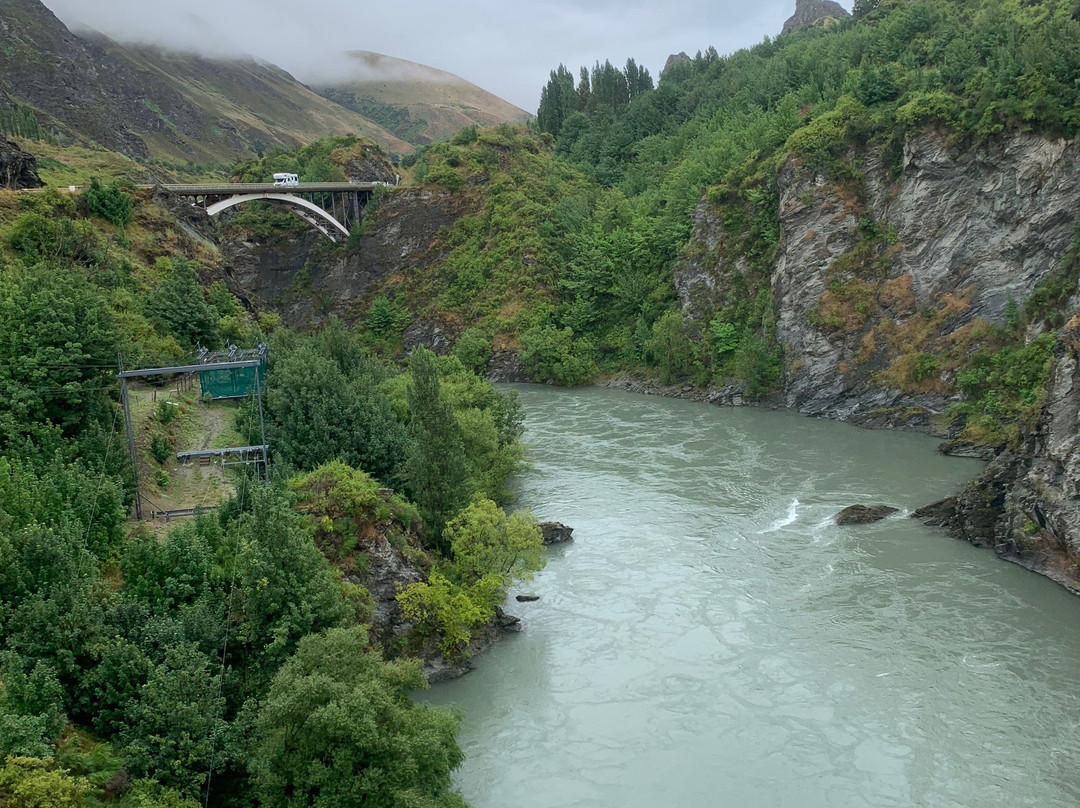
(417, 103)
(151, 104)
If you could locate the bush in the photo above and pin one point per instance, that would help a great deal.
(473, 348)
(447, 611)
(923, 366)
(31, 236)
(551, 354)
(167, 412)
(35, 783)
(110, 203)
(758, 366)
(670, 349)
(160, 448)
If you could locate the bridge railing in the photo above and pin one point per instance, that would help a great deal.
(269, 187)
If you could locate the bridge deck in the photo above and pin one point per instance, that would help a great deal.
(270, 188)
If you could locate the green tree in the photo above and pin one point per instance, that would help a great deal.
(173, 728)
(339, 729)
(449, 612)
(27, 782)
(52, 599)
(558, 100)
(487, 542)
(178, 307)
(108, 202)
(323, 403)
(57, 343)
(434, 471)
(31, 708)
(286, 587)
(554, 354)
(670, 349)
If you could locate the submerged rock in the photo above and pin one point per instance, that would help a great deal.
(556, 532)
(864, 514)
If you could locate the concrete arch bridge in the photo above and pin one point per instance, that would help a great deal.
(332, 208)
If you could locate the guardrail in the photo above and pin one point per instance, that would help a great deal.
(269, 187)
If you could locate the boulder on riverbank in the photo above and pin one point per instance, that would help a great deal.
(864, 514)
(556, 532)
(937, 514)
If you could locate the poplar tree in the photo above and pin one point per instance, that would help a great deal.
(435, 471)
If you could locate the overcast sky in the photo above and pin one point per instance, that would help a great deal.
(505, 46)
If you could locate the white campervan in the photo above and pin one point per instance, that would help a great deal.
(286, 179)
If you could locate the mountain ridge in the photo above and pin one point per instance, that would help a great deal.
(417, 102)
(177, 107)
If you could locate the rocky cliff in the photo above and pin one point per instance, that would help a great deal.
(1026, 505)
(809, 13)
(882, 286)
(871, 276)
(305, 282)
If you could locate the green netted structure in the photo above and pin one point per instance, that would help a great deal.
(232, 382)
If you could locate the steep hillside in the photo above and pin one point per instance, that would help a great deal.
(417, 103)
(149, 104)
(240, 106)
(868, 221)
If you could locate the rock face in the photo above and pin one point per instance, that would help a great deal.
(388, 569)
(969, 232)
(674, 59)
(18, 169)
(952, 239)
(863, 514)
(305, 286)
(556, 532)
(505, 366)
(1026, 505)
(809, 13)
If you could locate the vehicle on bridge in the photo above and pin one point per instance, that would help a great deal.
(286, 180)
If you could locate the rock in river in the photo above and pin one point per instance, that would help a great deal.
(556, 532)
(863, 514)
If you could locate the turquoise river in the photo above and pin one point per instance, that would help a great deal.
(711, 638)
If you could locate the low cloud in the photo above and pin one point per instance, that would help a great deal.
(507, 48)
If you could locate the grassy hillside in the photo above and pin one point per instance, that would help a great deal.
(417, 103)
(240, 103)
(149, 104)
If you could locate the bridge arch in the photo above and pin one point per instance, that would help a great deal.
(311, 213)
